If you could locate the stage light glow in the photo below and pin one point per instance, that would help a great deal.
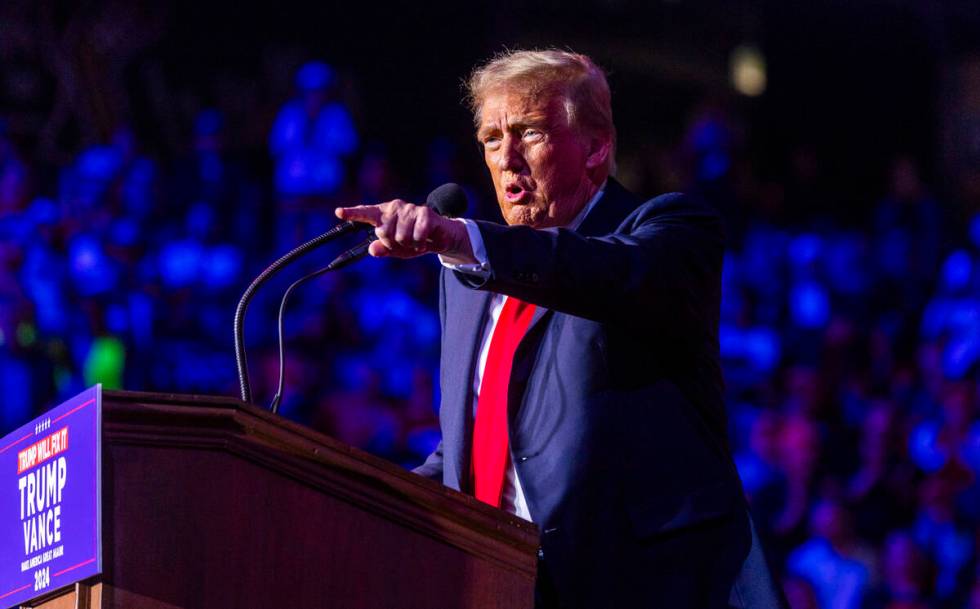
(26, 334)
(747, 70)
(105, 362)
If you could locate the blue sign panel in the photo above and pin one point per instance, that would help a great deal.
(50, 500)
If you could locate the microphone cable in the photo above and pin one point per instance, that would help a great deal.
(241, 359)
(348, 257)
(448, 200)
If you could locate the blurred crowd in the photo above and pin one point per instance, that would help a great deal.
(118, 268)
(850, 341)
(851, 349)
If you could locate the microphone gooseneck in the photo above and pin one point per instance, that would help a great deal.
(448, 200)
(241, 360)
(352, 255)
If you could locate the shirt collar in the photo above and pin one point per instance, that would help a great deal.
(577, 220)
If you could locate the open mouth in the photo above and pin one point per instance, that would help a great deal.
(514, 192)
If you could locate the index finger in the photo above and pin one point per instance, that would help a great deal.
(369, 214)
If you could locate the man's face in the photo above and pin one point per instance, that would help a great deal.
(540, 165)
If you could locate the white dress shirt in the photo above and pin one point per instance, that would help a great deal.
(513, 495)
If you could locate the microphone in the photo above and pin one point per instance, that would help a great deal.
(448, 200)
(241, 360)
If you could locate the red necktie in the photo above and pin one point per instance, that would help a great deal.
(490, 438)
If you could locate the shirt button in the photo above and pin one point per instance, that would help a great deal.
(540, 554)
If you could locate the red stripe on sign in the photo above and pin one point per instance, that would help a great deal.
(73, 410)
(15, 591)
(73, 567)
(43, 450)
(13, 444)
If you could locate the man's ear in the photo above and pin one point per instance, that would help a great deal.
(600, 147)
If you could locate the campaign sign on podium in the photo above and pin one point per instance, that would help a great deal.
(50, 500)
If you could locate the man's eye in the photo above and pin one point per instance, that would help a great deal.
(532, 134)
(491, 142)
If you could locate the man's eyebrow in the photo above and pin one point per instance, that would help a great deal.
(486, 130)
(531, 119)
(527, 120)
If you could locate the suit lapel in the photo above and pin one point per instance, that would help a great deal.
(540, 313)
(467, 320)
(464, 331)
(609, 211)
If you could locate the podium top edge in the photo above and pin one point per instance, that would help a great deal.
(259, 429)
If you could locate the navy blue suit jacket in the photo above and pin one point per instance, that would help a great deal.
(616, 415)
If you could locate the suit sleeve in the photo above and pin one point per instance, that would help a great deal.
(432, 468)
(661, 267)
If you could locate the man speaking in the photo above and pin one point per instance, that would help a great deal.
(581, 387)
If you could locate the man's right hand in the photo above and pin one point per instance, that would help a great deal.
(405, 230)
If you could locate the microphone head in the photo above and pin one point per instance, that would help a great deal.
(448, 200)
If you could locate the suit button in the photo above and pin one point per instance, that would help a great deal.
(534, 277)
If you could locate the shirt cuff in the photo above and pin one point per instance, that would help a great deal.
(481, 268)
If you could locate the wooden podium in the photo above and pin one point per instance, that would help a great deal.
(212, 503)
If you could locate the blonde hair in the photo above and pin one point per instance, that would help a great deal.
(575, 77)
